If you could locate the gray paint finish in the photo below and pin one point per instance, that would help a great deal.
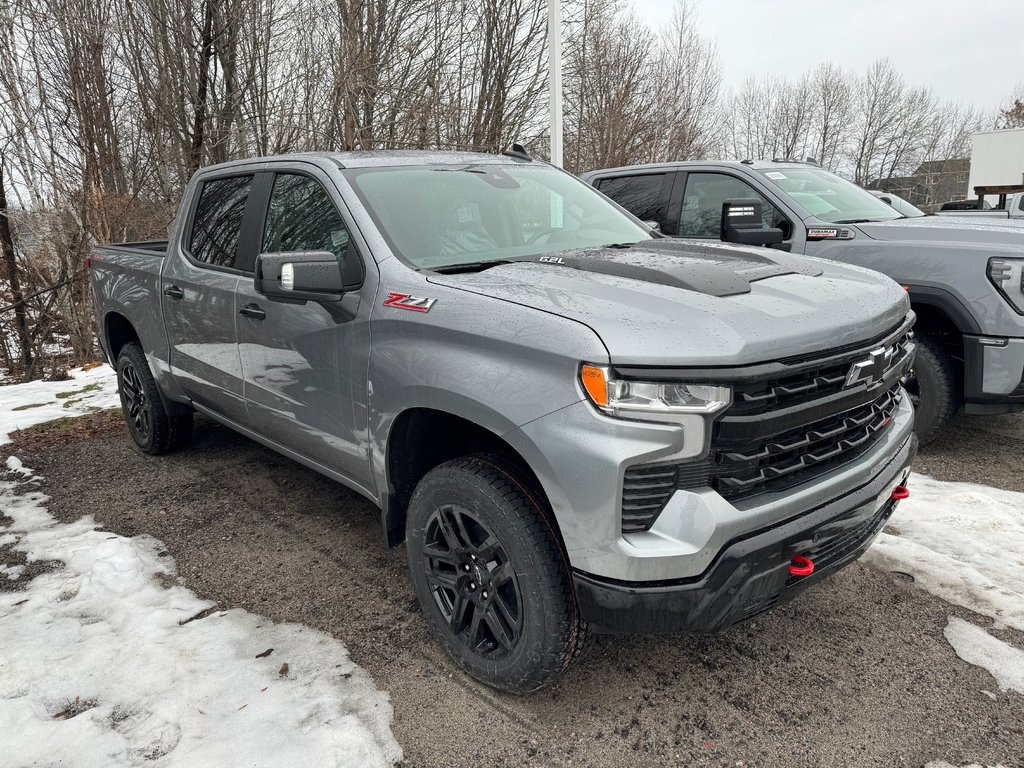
(324, 382)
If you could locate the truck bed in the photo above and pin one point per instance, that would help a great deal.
(151, 247)
(126, 281)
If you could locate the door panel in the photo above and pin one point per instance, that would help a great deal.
(198, 300)
(304, 365)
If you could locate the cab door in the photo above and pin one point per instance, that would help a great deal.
(198, 297)
(304, 364)
(697, 207)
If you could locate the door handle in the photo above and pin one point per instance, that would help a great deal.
(252, 311)
(174, 292)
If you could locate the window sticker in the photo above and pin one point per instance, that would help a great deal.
(775, 175)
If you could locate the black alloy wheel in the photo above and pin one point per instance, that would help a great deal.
(138, 408)
(492, 581)
(153, 429)
(473, 582)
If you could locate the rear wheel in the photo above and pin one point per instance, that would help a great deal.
(151, 427)
(934, 387)
(490, 576)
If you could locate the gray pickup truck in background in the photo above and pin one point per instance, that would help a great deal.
(1011, 207)
(573, 423)
(964, 277)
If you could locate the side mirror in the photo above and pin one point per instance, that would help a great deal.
(299, 277)
(742, 224)
(653, 226)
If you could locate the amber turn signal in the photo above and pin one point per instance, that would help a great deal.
(595, 381)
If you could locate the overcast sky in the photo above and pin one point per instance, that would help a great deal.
(968, 51)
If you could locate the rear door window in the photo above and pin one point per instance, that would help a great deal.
(217, 225)
(644, 195)
(701, 215)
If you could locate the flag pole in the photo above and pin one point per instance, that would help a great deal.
(555, 78)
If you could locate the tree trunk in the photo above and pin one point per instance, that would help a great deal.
(10, 262)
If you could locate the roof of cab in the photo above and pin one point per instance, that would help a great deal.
(684, 164)
(379, 159)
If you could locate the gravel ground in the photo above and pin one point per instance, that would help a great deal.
(853, 673)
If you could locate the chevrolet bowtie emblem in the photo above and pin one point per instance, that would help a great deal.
(872, 369)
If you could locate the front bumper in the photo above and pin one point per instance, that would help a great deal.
(993, 374)
(750, 574)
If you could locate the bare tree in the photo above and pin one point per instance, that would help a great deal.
(688, 83)
(831, 89)
(1011, 113)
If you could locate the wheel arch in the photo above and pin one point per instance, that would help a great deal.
(421, 438)
(117, 331)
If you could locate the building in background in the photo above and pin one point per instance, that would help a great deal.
(997, 160)
(931, 184)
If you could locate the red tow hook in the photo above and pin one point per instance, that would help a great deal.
(900, 492)
(800, 566)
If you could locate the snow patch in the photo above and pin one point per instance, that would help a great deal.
(100, 665)
(14, 464)
(12, 572)
(976, 646)
(963, 543)
(36, 402)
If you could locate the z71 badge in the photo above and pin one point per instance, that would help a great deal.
(405, 301)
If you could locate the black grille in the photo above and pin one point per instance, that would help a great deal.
(789, 422)
(795, 387)
(780, 461)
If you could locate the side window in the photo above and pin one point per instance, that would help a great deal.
(217, 225)
(302, 217)
(640, 195)
(701, 215)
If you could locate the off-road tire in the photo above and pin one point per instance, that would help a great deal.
(491, 492)
(934, 386)
(152, 429)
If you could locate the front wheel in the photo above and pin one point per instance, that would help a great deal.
(490, 576)
(151, 427)
(934, 387)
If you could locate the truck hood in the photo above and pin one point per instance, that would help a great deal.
(736, 306)
(946, 229)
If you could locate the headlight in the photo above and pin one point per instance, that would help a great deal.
(1007, 275)
(651, 400)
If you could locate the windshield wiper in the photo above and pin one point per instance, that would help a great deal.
(622, 246)
(469, 266)
(856, 221)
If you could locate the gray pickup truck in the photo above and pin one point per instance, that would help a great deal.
(964, 277)
(1011, 206)
(573, 423)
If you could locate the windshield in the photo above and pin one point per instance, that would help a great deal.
(440, 216)
(828, 197)
(899, 205)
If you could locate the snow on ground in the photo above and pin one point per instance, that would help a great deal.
(961, 542)
(965, 544)
(100, 667)
(24, 405)
(976, 646)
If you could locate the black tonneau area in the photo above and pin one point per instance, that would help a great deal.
(713, 268)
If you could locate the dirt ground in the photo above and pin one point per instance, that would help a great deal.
(853, 673)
